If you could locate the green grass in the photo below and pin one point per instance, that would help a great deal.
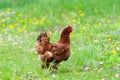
(95, 50)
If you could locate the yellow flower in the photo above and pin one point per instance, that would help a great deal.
(2, 13)
(84, 28)
(108, 21)
(20, 14)
(19, 47)
(87, 24)
(30, 21)
(80, 11)
(25, 19)
(73, 20)
(43, 18)
(117, 24)
(8, 9)
(74, 52)
(81, 31)
(3, 25)
(44, 79)
(48, 22)
(3, 20)
(63, 15)
(21, 20)
(5, 30)
(99, 24)
(34, 18)
(113, 51)
(78, 22)
(95, 40)
(36, 22)
(79, 19)
(108, 35)
(11, 26)
(109, 39)
(41, 22)
(82, 14)
(20, 30)
(35, 52)
(1, 42)
(8, 12)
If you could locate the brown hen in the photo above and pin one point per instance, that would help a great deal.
(54, 52)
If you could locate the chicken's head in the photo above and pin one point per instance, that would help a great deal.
(69, 28)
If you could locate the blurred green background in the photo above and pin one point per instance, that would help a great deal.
(95, 50)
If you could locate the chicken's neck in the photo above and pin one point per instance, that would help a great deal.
(65, 39)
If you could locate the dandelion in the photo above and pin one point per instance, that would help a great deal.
(8, 18)
(48, 22)
(108, 21)
(8, 9)
(20, 30)
(63, 15)
(74, 52)
(5, 30)
(2, 13)
(20, 14)
(80, 11)
(79, 19)
(96, 41)
(1, 42)
(36, 22)
(43, 18)
(3, 25)
(11, 26)
(108, 35)
(81, 31)
(30, 21)
(82, 14)
(2, 20)
(83, 28)
(117, 24)
(21, 20)
(19, 47)
(44, 79)
(41, 22)
(34, 18)
(78, 22)
(26, 19)
(113, 51)
(87, 24)
(73, 20)
(99, 24)
(8, 12)
(109, 39)
(35, 52)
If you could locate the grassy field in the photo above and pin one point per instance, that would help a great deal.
(95, 42)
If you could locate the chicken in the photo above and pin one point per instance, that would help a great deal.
(54, 52)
